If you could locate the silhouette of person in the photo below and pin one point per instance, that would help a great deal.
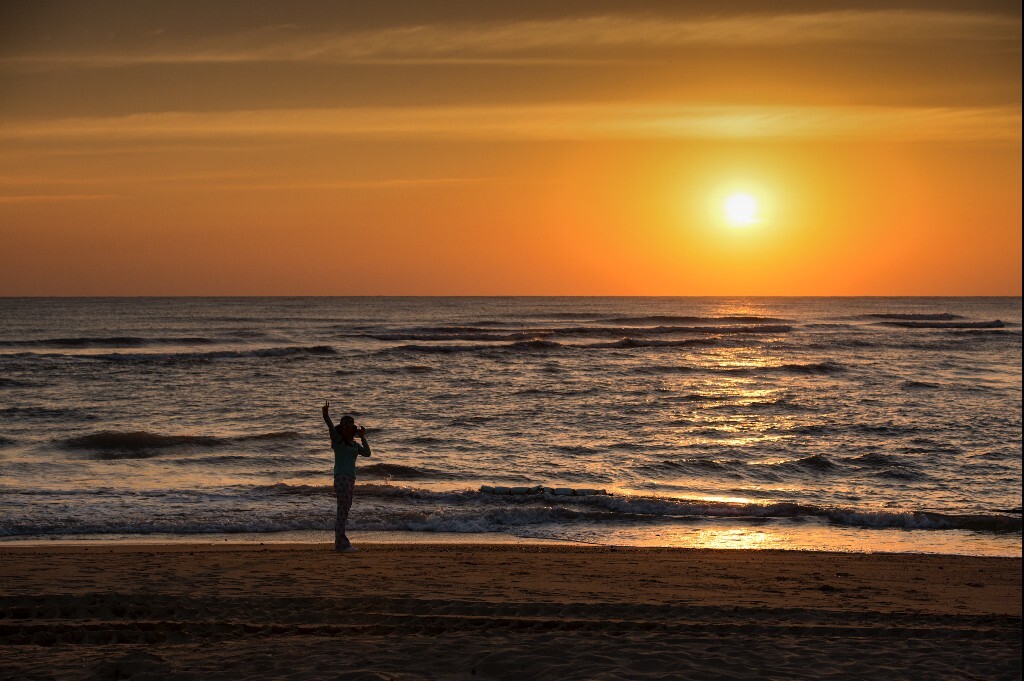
(346, 449)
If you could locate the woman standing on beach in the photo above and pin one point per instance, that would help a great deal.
(345, 452)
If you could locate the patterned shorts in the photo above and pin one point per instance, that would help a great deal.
(344, 485)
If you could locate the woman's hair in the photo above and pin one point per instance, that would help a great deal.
(347, 417)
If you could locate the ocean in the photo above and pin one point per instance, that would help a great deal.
(849, 424)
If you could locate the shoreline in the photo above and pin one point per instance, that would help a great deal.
(902, 545)
(471, 611)
(290, 538)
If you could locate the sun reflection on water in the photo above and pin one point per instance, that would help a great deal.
(733, 404)
(736, 539)
(813, 536)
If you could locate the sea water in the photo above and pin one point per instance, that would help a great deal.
(863, 424)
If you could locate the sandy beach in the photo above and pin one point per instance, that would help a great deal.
(492, 611)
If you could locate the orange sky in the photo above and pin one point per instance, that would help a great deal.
(533, 148)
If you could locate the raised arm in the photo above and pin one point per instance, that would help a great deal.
(330, 426)
(364, 446)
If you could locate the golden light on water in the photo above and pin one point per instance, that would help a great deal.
(723, 499)
(737, 538)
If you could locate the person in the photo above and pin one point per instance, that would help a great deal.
(345, 452)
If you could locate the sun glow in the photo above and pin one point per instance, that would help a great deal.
(741, 210)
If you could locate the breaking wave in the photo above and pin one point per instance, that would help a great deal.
(907, 324)
(811, 369)
(110, 444)
(654, 343)
(412, 509)
(463, 335)
(913, 316)
(447, 349)
(816, 462)
(542, 507)
(918, 385)
(873, 464)
(394, 470)
(407, 369)
(499, 514)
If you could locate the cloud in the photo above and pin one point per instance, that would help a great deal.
(851, 122)
(221, 183)
(595, 38)
(52, 198)
(543, 122)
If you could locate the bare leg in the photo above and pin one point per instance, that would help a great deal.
(344, 486)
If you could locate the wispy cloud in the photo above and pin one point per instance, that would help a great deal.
(48, 188)
(381, 184)
(54, 198)
(60, 179)
(569, 39)
(582, 121)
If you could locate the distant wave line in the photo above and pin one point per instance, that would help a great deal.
(271, 352)
(104, 342)
(911, 324)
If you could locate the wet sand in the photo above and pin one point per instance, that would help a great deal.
(502, 611)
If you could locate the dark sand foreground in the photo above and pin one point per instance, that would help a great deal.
(520, 611)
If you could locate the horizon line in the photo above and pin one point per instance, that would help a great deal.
(512, 295)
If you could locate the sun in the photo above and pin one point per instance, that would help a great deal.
(741, 210)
